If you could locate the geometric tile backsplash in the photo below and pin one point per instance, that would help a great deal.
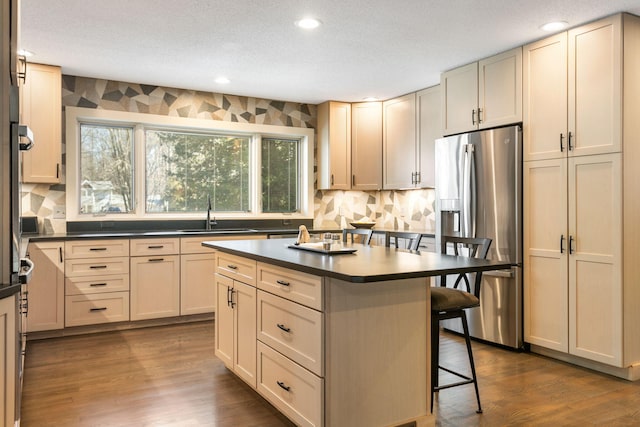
(390, 209)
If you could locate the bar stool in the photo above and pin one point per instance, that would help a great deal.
(450, 303)
(414, 239)
(353, 232)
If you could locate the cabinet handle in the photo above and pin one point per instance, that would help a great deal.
(231, 292)
(98, 309)
(98, 284)
(60, 253)
(97, 267)
(283, 386)
(569, 141)
(156, 259)
(413, 177)
(479, 115)
(283, 283)
(353, 180)
(97, 249)
(562, 243)
(283, 328)
(331, 179)
(228, 297)
(571, 245)
(561, 140)
(57, 170)
(473, 116)
(418, 178)
(155, 247)
(231, 266)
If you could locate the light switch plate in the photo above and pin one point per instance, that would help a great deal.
(59, 212)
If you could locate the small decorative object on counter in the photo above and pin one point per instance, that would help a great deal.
(303, 235)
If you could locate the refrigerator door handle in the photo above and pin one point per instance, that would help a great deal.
(468, 193)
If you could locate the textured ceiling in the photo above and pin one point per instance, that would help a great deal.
(381, 48)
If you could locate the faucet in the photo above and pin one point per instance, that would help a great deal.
(207, 225)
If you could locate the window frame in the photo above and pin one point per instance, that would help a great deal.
(141, 121)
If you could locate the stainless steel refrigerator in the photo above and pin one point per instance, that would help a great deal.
(479, 194)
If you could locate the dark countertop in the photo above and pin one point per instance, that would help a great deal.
(367, 264)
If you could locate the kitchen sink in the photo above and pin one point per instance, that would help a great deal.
(219, 230)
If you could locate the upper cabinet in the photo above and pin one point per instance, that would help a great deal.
(334, 146)
(399, 141)
(366, 146)
(41, 110)
(572, 92)
(483, 94)
(429, 122)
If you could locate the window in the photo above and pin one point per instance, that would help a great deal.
(133, 165)
(186, 170)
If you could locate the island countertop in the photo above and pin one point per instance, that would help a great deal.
(367, 264)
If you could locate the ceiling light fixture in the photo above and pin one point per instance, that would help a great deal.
(308, 23)
(222, 80)
(370, 99)
(25, 53)
(554, 26)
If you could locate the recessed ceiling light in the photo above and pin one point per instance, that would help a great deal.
(222, 80)
(25, 53)
(554, 26)
(308, 23)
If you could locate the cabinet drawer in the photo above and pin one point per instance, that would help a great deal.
(96, 267)
(292, 329)
(237, 268)
(302, 288)
(96, 308)
(96, 248)
(193, 245)
(303, 402)
(96, 285)
(150, 247)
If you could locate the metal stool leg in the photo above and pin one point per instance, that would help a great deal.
(465, 327)
(435, 352)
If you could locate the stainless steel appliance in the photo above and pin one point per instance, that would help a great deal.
(479, 194)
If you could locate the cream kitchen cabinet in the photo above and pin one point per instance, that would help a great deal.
(412, 123)
(197, 276)
(366, 146)
(8, 358)
(235, 339)
(334, 146)
(572, 92)
(96, 284)
(483, 94)
(46, 287)
(580, 224)
(155, 278)
(41, 110)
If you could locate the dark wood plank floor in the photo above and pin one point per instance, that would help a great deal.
(168, 376)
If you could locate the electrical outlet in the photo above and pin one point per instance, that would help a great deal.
(59, 212)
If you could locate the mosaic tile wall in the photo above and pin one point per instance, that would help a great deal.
(390, 209)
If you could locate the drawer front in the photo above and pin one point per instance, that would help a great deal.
(237, 268)
(98, 308)
(303, 402)
(150, 247)
(96, 248)
(292, 329)
(96, 285)
(302, 288)
(96, 267)
(193, 245)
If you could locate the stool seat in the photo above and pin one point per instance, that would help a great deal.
(446, 299)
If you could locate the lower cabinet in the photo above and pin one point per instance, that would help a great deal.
(46, 287)
(197, 293)
(236, 327)
(155, 287)
(90, 309)
(8, 359)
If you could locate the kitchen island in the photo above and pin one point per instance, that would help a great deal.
(331, 340)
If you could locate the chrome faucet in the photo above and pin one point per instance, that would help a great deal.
(209, 223)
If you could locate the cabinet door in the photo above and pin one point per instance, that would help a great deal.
(197, 284)
(46, 287)
(155, 287)
(460, 99)
(595, 87)
(429, 119)
(500, 89)
(595, 267)
(399, 142)
(545, 254)
(224, 321)
(334, 145)
(41, 108)
(366, 146)
(245, 303)
(545, 98)
(8, 358)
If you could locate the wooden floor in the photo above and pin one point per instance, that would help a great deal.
(168, 376)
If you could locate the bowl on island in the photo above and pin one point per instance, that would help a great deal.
(363, 224)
